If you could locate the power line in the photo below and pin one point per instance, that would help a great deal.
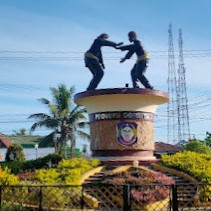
(66, 52)
(78, 55)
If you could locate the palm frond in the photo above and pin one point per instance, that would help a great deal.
(40, 116)
(48, 123)
(53, 110)
(48, 141)
(62, 97)
(77, 115)
(72, 90)
(83, 125)
(78, 109)
(54, 92)
(83, 135)
(44, 101)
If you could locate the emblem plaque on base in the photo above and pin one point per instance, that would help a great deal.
(127, 133)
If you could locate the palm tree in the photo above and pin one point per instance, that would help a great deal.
(65, 119)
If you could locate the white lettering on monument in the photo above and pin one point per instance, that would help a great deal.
(124, 115)
(107, 116)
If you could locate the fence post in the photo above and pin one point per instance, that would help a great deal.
(40, 199)
(126, 198)
(82, 198)
(174, 197)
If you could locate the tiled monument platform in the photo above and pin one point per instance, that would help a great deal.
(122, 123)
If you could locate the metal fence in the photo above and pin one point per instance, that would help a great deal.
(148, 197)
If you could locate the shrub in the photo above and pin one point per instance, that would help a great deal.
(54, 158)
(6, 178)
(81, 163)
(15, 166)
(137, 177)
(15, 153)
(47, 176)
(68, 171)
(144, 194)
(18, 167)
(196, 164)
(197, 146)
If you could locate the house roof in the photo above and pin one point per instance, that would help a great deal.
(5, 141)
(164, 147)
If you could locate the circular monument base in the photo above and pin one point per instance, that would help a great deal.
(122, 123)
(126, 157)
(124, 161)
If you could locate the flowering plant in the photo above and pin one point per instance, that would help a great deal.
(146, 186)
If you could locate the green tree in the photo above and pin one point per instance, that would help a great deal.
(197, 146)
(207, 140)
(15, 153)
(21, 132)
(65, 119)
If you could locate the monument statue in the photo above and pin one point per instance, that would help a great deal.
(94, 59)
(137, 73)
(121, 119)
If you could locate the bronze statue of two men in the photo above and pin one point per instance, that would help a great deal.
(94, 59)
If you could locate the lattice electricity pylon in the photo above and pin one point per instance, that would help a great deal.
(183, 114)
(172, 90)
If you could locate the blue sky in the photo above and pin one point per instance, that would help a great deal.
(42, 44)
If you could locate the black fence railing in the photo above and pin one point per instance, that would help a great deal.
(147, 197)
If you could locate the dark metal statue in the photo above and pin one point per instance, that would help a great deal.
(94, 59)
(137, 73)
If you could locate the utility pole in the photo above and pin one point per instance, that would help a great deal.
(183, 114)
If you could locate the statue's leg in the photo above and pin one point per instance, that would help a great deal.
(134, 77)
(141, 68)
(90, 66)
(97, 72)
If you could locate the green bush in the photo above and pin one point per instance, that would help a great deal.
(6, 178)
(18, 167)
(196, 164)
(15, 167)
(47, 176)
(68, 172)
(197, 146)
(82, 163)
(15, 153)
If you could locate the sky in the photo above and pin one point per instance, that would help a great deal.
(42, 44)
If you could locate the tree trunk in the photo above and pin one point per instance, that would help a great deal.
(72, 147)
